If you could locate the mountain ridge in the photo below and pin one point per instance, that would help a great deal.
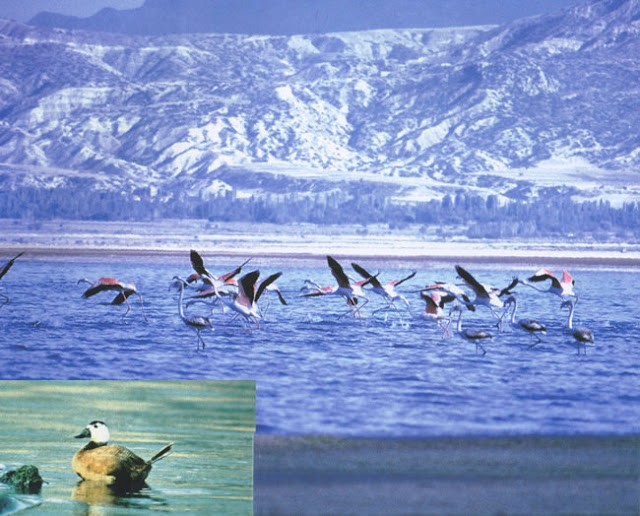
(542, 106)
(284, 17)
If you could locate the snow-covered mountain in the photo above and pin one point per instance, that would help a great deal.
(289, 17)
(517, 110)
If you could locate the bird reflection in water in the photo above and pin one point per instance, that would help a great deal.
(92, 492)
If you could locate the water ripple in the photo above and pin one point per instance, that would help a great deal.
(318, 372)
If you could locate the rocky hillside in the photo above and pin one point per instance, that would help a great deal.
(544, 105)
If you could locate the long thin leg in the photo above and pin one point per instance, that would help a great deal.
(351, 311)
(199, 339)
(358, 308)
(142, 306)
(390, 304)
(500, 318)
(268, 305)
(445, 324)
(538, 340)
(126, 302)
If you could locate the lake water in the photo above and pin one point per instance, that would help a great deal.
(388, 374)
(209, 471)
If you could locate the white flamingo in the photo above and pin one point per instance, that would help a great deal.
(531, 326)
(435, 301)
(582, 335)
(560, 287)
(474, 335)
(486, 295)
(460, 297)
(351, 292)
(222, 284)
(198, 322)
(245, 302)
(125, 290)
(386, 291)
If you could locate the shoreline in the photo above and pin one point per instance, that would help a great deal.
(174, 238)
(445, 475)
(455, 253)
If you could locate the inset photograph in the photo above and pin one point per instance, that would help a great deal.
(71, 447)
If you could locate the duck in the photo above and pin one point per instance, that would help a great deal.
(113, 465)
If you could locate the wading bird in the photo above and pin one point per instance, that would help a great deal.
(460, 297)
(559, 287)
(486, 295)
(273, 287)
(582, 335)
(245, 302)
(116, 466)
(214, 287)
(531, 326)
(386, 291)
(3, 270)
(125, 290)
(217, 290)
(194, 321)
(228, 279)
(473, 335)
(351, 292)
(435, 301)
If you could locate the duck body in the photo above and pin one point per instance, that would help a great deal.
(111, 464)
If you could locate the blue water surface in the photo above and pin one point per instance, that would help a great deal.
(388, 374)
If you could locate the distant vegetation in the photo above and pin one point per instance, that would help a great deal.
(476, 216)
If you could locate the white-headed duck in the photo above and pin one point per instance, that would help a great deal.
(114, 465)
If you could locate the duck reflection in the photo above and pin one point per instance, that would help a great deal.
(92, 492)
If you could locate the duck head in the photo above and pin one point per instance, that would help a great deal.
(98, 432)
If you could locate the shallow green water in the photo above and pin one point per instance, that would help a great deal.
(211, 422)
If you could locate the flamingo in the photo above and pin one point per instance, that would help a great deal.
(435, 302)
(459, 295)
(582, 335)
(345, 288)
(559, 287)
(223, 285)
(125, 290)
(194, 321)
(220, 283)
(245, 302)
(531, 326)
(386, 291)
(3, 270)
(273, 287)
(472, 334)
(212, 291)
(486, 295)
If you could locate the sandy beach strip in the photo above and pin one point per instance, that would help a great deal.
(463, 255)
(171, 240)
(447, 475)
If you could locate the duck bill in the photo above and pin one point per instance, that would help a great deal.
(84, 433)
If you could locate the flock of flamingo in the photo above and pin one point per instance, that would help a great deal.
(241, 294)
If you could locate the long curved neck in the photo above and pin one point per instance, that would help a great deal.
(514, 301)
(570, 319)
(534, 287)
(180, 297)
